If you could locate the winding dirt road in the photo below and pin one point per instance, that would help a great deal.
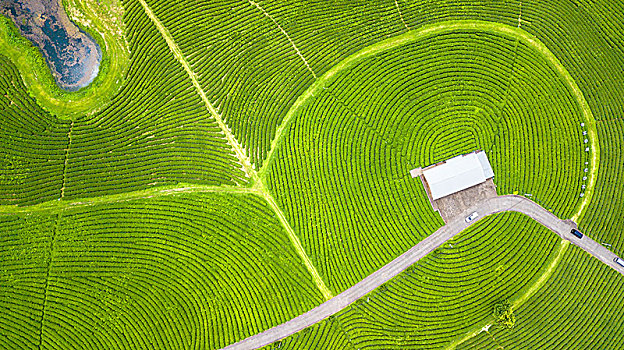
(417, 252)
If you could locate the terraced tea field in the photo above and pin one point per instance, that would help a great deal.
(239, 164)
(548, 310)
(433, 301)
(491, 112)
(105, 268)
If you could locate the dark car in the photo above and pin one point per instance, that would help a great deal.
(577, 233)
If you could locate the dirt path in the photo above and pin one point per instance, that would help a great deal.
(257, 176)
(396, 2)
(444, 27)
(286, 35)
(239, 151)
(488, 207)
(56, 206)
(298, 247)
(258, 186)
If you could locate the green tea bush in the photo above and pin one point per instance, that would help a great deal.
(603, 219)
(24, 267)
(32, 145)
(580, 307)
(155, 131)
(328, 32)
(444, 294)
(247, 67)
(342, 171)
(189, 271)
(324, 335)
(584, 35)
(483, 340)
(206, 270)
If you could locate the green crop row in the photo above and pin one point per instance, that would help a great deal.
(444, 294)
(457, 286)
(247, 67)
(584, 35)
(323, 335)
(155, 131)
(482, 341)
(24, 264)
(254, 66)
(328, 32)
(32, 147)
(179, 272)
(582, 293)
(603, 220)
(580, 307)
(241, 60)
(204, 271)
(342, 173)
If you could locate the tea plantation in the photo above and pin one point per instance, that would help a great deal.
(110, 265)
(252, 162)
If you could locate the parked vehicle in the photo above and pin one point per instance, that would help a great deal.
(577, 233)
(471, 217)
(619, 261)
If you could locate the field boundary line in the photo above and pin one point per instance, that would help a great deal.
(236, 147)
(298, 247)
(550, 269)
(449, 26)
(595, 160)
(443, 27)
(69, 139)
(177, 53)
(58, 206)
(396, 2)
(487, 207)
(258, 186)
(55, 206)
(47, 278)
(286, 34)
(233, 142)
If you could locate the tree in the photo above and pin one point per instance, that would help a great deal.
(503, 313)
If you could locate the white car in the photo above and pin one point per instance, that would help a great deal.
(471, 217)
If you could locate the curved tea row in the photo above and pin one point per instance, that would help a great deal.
(341, 173)
(582, 292)
(190, 271)
(155, 131)
(447, 292)
(194, 272)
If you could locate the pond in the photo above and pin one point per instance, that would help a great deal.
(72, 55)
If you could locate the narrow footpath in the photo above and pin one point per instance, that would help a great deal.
(488, 207)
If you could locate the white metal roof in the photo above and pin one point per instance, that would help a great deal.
(457, 174)
(485, 164)
(416, 172)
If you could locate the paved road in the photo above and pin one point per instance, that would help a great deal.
(417, 252)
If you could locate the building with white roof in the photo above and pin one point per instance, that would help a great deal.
(456, 174)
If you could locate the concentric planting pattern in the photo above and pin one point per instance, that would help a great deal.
(254, 163)
(415, 100)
